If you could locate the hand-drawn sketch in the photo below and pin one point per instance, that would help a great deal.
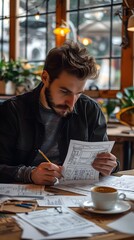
(78, 162)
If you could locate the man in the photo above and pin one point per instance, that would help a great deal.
(48, 117)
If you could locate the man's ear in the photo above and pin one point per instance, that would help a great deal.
(45, 78)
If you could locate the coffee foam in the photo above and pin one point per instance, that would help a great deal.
(103, 189)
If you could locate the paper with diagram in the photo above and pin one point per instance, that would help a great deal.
(78, 163)
(59, 220)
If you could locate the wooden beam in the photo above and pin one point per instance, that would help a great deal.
(101, 93)
(127, 55)
(13, 30)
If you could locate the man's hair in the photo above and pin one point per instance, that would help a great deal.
(71, 58)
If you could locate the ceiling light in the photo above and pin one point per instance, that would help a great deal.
(37, 16)
(62, 30)
(130, 26)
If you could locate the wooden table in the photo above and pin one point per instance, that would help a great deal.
(119, 133)
(99, 219)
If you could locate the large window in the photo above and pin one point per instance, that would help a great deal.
(36, 22)
(4, 29)
(95, 25)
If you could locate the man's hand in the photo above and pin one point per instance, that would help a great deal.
(46, 173)
(105, 163)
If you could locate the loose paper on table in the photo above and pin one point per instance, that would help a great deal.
(51, 221)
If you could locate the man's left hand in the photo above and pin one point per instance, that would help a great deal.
(104, 163)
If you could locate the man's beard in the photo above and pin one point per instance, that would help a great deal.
(53, 106)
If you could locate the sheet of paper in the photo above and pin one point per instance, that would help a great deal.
(58, 220)
(30, 232)
(75, 189)
(78, 163)
(67, 201)
(83, 188)
(79, 188)
(124, 224)
(25, 190)
(124, 182)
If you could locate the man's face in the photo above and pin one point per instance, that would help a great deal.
(62, 94)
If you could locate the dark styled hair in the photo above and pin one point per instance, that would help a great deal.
(73, 59)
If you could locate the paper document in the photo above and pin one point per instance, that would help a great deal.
(78, 162)
(53, 221)
(124, 224)
(25, 190)
(59, 200)
(124, 182)
(30, 232)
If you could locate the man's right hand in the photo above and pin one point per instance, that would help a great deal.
(46, 173)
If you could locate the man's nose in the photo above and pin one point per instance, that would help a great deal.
(71, 100)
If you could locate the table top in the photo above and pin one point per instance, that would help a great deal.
(103, 220)
(99, 219)
(127, 172)
(120, 131)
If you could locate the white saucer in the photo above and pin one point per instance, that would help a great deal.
(120, 207)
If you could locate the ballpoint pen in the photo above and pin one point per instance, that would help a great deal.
(24, 205)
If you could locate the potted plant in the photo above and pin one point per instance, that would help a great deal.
(107, 106)
(126, 98)
(2, 82)
(29, 76)
(126, 113)
(11, 76)
(18, 76)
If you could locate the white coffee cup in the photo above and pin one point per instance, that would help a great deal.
(105, 198)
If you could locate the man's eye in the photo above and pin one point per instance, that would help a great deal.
(64, 91)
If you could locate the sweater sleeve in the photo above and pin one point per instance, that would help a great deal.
(24, 174)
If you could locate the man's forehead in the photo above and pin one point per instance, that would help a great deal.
(67, 80)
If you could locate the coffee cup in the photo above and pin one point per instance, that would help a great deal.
(105, 198)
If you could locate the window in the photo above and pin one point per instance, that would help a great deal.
(94, 24)
(36, 22)
(4, 29)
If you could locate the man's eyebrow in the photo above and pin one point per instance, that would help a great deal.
(66, 89)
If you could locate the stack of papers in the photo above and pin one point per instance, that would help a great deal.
(56, 223)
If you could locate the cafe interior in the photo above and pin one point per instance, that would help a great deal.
(28, 30)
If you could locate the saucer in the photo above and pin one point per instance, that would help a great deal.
(120, 207)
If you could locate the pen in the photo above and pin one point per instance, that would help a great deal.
(28, 204)
(22, 205)
(44, 155)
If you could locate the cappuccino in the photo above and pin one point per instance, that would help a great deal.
(104, 198)
(104, 189)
